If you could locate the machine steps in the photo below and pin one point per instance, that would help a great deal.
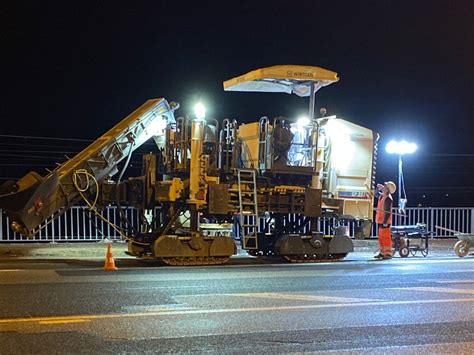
(248, 208)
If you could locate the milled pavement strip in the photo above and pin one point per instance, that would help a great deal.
(230, 310)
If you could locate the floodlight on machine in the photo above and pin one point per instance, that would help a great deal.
(303, 121)
(200, 111)
(343, 147)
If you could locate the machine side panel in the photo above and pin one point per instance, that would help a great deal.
(349, 166)
(219, 198)
(248, 136)
(312, 202)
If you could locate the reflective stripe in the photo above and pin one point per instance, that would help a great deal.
(380, 214)
(385, 241)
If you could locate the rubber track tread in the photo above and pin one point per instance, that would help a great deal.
(195, 260)
(313, 258)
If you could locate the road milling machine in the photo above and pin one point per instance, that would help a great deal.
(279, 181)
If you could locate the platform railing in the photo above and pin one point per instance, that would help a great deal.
(78, 224)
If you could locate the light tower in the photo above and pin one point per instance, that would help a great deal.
(401, 148)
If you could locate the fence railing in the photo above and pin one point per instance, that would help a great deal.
(460, 219)
(79, 224)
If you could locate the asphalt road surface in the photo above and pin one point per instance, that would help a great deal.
(412, 305)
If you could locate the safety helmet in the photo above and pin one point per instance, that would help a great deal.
(391, 186)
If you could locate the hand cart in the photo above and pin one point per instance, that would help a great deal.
(466, 241)
(410, 239)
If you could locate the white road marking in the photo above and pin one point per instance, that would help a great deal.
(438, 289)
(230, 310)
(157, 308)
(456, 281)
(164, 287)
(300, 297)
(450, 281)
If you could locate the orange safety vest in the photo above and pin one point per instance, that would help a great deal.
(379, 216)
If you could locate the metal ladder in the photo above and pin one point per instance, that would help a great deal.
(248, 207)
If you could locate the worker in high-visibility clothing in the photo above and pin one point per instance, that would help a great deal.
(383, 218)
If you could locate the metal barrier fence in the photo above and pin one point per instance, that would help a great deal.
(79, 224)
(460, 219)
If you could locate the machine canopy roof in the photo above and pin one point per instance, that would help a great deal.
(290, 79)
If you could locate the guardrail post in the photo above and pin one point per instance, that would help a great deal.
(53, 230)
(432, 226)
(471, 227)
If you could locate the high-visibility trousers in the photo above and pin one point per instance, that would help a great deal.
(385, 240)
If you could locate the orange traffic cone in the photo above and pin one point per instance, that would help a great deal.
(109, 259)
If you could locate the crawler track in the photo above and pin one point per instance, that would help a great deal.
(313, 258)
(195, 260)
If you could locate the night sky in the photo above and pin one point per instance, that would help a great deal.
(71, 70)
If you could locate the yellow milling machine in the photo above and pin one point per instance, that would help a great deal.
(285, 188)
